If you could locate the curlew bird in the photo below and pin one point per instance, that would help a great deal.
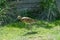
(27, 20)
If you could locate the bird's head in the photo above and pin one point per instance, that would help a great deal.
(19, 17)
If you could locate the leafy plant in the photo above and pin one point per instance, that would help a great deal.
(49, 10)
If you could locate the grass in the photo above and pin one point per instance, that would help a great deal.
(41, 30)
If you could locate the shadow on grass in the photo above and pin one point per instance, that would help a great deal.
(30, 33)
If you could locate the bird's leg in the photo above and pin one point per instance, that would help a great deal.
(27, 25)
(30, 27)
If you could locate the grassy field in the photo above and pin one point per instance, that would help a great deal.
(41, 30)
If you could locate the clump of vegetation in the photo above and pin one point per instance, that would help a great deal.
(6, 15)
(49, 10)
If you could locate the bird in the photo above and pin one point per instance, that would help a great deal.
(26, 20)
(29, 21)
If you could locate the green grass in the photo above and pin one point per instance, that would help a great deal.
(19, 31)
